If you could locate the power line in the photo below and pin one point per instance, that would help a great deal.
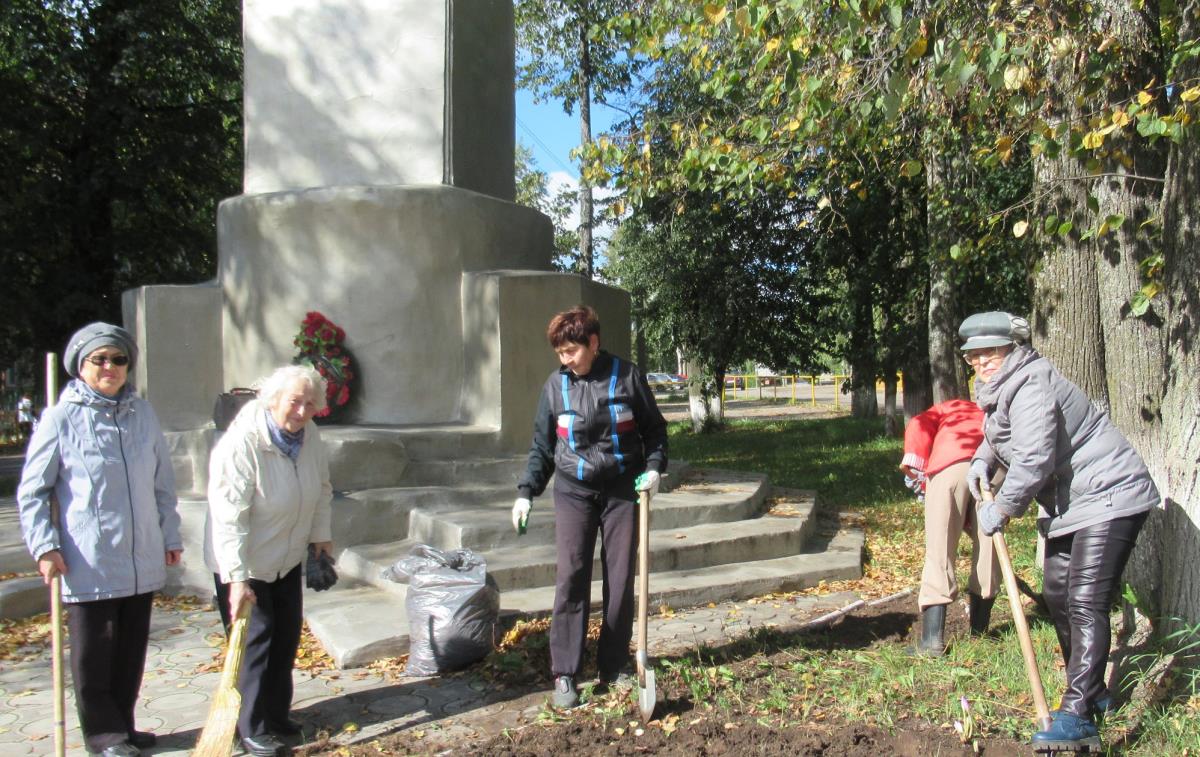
(570, 171)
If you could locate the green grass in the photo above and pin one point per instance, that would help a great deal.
(851, 463)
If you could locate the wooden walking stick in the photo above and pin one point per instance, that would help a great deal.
(1018, 613)
(56, 626)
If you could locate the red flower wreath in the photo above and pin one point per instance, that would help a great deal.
(320, 343)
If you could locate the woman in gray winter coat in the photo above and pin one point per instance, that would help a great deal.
(101, 453)
(1093, 493)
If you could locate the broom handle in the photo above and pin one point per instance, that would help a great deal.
(1018, 613)
(56, 628)
(237, 648)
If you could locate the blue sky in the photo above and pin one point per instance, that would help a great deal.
(552, 134)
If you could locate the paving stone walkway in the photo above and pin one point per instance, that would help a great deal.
(178, 685)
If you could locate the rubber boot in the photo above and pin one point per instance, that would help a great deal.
(980, 610)
(933, 626)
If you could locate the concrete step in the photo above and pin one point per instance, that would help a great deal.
(480, 518)
(532, 564)
(359, 623)
(360, 457)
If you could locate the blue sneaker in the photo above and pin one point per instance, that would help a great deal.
(1068, 733)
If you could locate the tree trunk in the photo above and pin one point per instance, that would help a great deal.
(1066, 315)
(1133, 346)
(1165, 567)
(586, 260)
(704, 403)
(946, 369)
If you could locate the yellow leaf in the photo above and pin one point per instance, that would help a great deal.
(1120, 118)
(1144, 97)
(916, 49)
(793, 125)
(797, 43)
(741, 17)
(1004, 148)
(715, 13)
(1190, 95)
(772, 44)
(1015, 77)
(862, 193)
(1019, 228)
(823, 203)
(1093, 140)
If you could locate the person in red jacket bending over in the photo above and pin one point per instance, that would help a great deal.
(938, 445)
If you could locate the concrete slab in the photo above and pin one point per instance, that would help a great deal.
(22, 597)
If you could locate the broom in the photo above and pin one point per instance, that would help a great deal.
(216, 740)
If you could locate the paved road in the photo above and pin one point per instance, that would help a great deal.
(10, 465)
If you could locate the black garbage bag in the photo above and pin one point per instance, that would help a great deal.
(452, 608)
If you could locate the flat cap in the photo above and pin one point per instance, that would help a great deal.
(993, 329)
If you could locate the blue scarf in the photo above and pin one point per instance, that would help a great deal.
(287, 442)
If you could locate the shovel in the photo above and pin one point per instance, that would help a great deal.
(1018, 613)
(217, 738)
(647, 697)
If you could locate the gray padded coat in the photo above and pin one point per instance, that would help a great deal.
(1058, 448)
(107, 463)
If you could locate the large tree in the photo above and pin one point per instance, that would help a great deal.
(1089, 95)
(568, 54)
(121, 121)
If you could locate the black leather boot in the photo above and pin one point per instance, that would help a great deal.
(981, 612)
(933, 626)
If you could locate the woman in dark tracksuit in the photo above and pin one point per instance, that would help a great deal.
(598, 427)
(1093, 493)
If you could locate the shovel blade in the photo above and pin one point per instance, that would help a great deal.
(647, 696)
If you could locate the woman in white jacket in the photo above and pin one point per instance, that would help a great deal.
(268, 500)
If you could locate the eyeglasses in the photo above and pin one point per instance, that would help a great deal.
(985, 354)
(100, 361)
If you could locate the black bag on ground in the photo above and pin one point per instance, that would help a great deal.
(229, 403)
(452, 606)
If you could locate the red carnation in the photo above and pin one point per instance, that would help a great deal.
(344, 395)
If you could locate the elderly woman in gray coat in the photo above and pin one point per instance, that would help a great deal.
(1093, 493)
(100, 452)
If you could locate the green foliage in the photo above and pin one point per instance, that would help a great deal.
(864, 93)
(724, 283)
(122, 122)
(533, 191)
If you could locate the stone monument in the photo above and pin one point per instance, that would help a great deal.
(378, 189)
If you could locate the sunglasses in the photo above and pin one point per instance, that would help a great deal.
(100, 361)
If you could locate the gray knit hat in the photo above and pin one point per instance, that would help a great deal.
(993, 329)
(91, 338)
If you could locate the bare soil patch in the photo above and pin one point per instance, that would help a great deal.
(718, 725)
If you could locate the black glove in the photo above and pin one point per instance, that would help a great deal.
(319, 574)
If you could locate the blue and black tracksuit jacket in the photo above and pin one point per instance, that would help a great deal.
(596, 428)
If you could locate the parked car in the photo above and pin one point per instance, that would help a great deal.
(679, 381)
(661, 382)
(735, 382)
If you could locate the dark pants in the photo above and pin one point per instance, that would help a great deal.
(1081, 579)
(272, 638)
(579, 514)
(108, 654)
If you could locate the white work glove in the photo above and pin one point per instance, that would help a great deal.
(648, 482)
(520, 514)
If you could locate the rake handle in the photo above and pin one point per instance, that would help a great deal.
(1018, 612)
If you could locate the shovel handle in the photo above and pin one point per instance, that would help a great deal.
(1018, 613)
(643, 585)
